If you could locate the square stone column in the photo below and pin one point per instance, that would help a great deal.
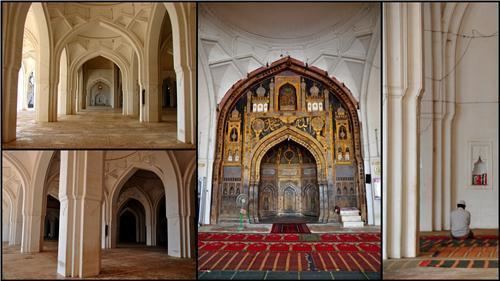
(403, 85)
(80, 194)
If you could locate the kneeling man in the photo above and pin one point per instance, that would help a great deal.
(460, 221)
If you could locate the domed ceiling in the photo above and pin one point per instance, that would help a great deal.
(276, 21)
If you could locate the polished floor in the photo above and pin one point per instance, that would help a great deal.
(266, 228)
(119, 263)
(409, 268)
(96, 129)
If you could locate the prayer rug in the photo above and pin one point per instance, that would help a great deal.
(460, 263)
(446, 247)
(290, 228)
(289, 259)
(279, 237)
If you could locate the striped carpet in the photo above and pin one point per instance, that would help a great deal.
(275, 237)
(445, 247)
(460, 263)
(287, 252)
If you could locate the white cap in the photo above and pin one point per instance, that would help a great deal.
(461, 202)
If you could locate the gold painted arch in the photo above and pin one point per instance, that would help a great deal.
(319, 136)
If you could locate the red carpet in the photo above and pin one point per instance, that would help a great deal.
(285, 252)
(274, 237)
(290, 228)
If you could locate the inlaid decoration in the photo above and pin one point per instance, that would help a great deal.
(288, 136)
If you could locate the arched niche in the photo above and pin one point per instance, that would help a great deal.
(287, 97)
(287, 168)
(129, 231)
(99, 94)
(314, 128)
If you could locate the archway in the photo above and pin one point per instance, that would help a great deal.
(288, 187)
(106, 68)
(181, 24)
(51, 224)
(134, 199)
(26, 63)
(14, 180)
(49, 227)
(288, 100)
(101, 85)
(131, 223)
(167, 78)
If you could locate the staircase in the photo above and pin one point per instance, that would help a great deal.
(351, 218)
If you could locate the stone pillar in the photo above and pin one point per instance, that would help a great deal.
(148, 224)
(174, 234)
(189, 234)
(185, 98)
(250, 208)
(154, 227)
(322, 203)
(131, 93)
(52, 229)
(16, 231)
(303, 93)
(138, 230)
(403, 84)
(31, 233)
(13, 19)
(9, 102)
(16, 223)
(271, 96)
(326, 201)
(80, 193)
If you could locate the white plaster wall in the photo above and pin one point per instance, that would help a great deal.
(476, 116)
(374, 105)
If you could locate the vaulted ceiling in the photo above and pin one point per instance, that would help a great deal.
(238, 38)
(82, 28)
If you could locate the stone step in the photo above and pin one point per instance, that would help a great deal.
(353, 224)
(351, 218)
(349, 212)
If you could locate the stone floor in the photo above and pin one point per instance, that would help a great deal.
(119, 263)
(96, 129)
(408, 268)
(266, 228)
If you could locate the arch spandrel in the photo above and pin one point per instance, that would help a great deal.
(319, 137)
